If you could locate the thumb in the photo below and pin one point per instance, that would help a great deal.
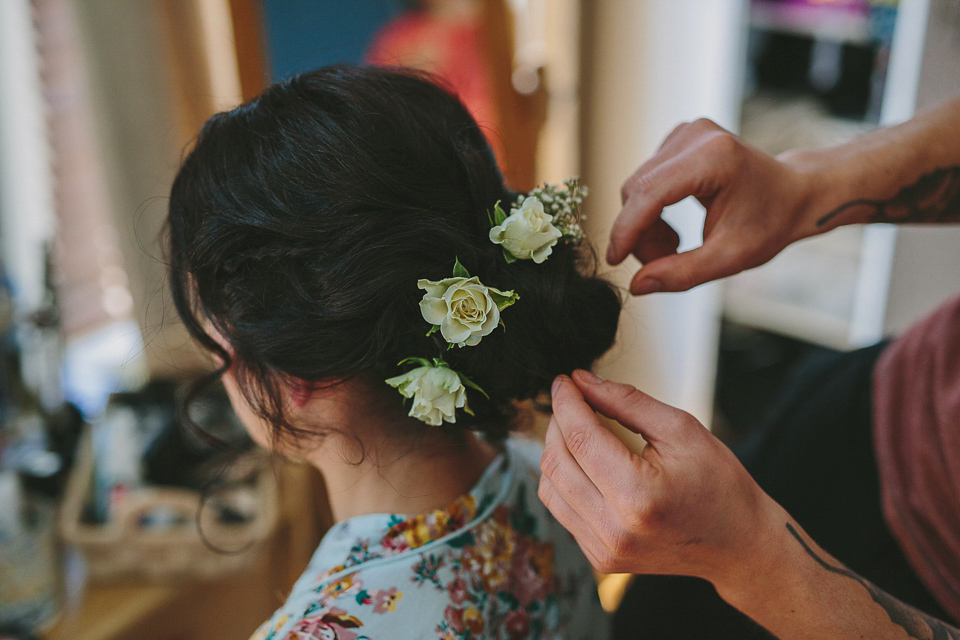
(683, 271)
(642, 414)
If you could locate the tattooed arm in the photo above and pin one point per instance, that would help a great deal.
(934, 197)
(686, 506)
(808, 594)
(757, 205)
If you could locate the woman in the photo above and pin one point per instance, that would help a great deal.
(350, 219)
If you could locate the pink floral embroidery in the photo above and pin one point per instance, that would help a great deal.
(464, 620)
(531, 571)
(518, 624)
(331, 624)
(384, 601)
(344, 585)
(458, 590)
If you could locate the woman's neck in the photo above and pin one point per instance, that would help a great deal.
(398, 477)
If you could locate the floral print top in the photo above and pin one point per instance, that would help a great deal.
(493, 564)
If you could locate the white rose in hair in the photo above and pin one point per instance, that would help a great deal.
(437, 393)
(527, 233)
(463, 308)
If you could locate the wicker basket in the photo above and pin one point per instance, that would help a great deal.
(123, 550)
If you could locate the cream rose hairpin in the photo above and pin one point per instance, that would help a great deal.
(464, 310)
(538, 221)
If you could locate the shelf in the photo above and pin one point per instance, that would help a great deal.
(820, 22)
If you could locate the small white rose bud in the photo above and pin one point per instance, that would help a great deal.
(437, 393)
(527, 233)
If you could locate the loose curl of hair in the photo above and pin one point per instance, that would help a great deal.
(301, 221)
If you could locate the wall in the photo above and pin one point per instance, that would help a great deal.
(647, 67)
(26, 200)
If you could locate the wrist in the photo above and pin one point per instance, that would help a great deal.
(772, 570)
(830, 180)
(842, 184)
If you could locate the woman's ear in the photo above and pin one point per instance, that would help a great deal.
(301, 392)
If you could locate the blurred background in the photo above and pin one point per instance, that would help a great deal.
(101, 490)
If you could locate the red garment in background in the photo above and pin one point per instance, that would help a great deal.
(452, 50)
(916, 399)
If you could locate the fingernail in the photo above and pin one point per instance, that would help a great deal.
(647, 285)
(590, 376)
(556, 384)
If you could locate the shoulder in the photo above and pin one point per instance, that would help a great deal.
(510, 571)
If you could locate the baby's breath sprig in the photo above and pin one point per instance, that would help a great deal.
(562, 202)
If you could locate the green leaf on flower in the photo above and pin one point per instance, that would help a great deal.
(502, 299)
(509, 257)
(459, 271)
(437, 362)
(499, 215)
(473, 385)
(468, 410)
(423, 362)
(433, 330)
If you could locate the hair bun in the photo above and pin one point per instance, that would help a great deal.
(566, 317)
(301, 222)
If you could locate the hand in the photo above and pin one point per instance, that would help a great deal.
(755, 204)
(685, 506)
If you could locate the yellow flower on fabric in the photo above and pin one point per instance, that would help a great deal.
(461, 511)
(473, 619)
(491, 554)
(343, 585)
(527, 233)
(417, 534)
(541, 557)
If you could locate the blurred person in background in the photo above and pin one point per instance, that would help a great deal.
(445, 38)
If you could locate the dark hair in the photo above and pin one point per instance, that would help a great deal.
(301, 221)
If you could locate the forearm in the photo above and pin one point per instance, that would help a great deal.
(798, 591)
(905, 174)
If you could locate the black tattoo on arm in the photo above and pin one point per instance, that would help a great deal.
(935, 197)
(917, 624)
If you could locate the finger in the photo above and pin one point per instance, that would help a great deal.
(670, 146)
(658, 241)
(682, 136)
(657, 422)
(600, 454)
(568, 477)
(683, 175)
(579, 528)
(683, 271)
